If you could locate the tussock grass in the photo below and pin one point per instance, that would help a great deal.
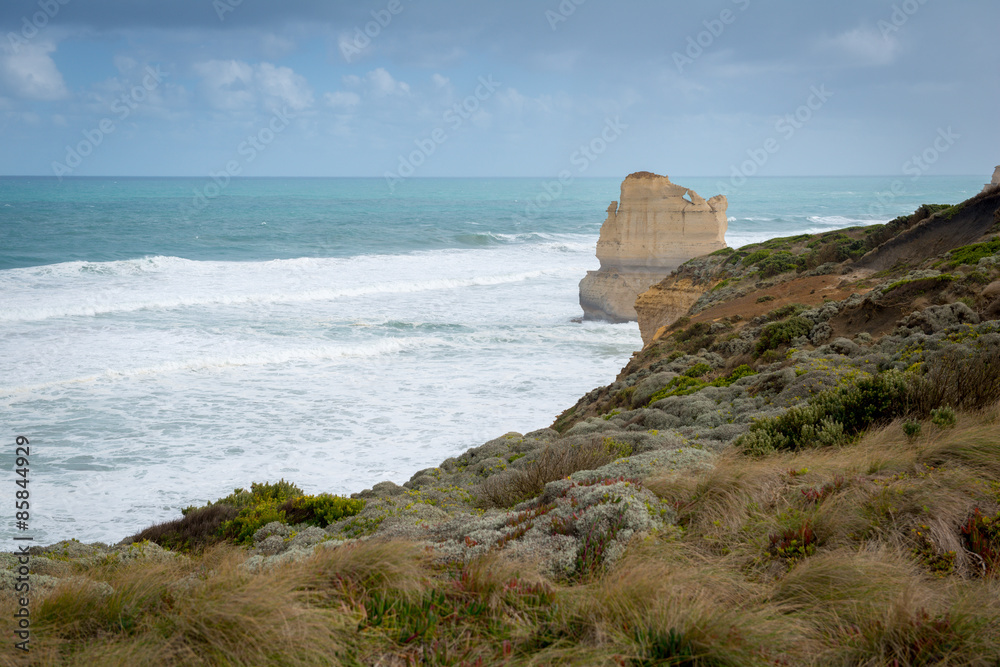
(183, 612)
(511, 487)
(886, 577)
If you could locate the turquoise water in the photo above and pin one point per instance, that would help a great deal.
(160, 350)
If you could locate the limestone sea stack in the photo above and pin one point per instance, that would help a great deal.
(996, 181)
(656, 227)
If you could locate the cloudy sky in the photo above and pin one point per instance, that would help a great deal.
(491, 88)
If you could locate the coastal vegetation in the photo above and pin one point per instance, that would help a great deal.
(811, 479)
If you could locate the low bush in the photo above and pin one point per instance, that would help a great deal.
(958, 379)
(778, 263)
(971, 254)
(199, 528)
(685, 385)
(831, 417)
(321, 510)
(511, 487)
(776, 334)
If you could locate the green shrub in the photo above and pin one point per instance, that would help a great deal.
(738, 372)
(697, 371)
(617, 449)
(684, 385)
(784, 312)
(944, 417)
(756, 257)
(765, 298)
(251, 519)
(778, 263)
(912, 429)
(278, 491)
(977, 278)
(722, 284)
(971, 254)
(830, 417)
(321, 510)
(776, 334)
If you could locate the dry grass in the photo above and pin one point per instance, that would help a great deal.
(204, 612)
(511, 487)
(887, 579)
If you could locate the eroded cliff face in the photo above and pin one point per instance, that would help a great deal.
(995, 183)
(655, 228)
(664, 303)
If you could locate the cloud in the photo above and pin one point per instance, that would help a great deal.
(864, 46)
(282, 83)
(342, 100)
(233, 85)
(380, 82)
(30, 73)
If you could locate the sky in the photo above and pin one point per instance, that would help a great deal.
(526, 88)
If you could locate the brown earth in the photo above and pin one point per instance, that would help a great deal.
(809, 291)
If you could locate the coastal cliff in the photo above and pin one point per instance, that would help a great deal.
(995, 183)
(801, 469)
(655, 227)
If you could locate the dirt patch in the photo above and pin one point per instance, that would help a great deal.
(808, 291)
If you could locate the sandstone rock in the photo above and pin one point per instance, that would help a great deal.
(664, 302)
(656, 227)
(995, 183)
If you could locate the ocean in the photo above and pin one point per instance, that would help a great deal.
(159, 348)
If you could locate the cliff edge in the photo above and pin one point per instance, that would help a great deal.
(654, 228)
(995, 183)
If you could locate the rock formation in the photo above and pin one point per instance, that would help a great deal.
(655, 228)
(664, 302)
(996, 181)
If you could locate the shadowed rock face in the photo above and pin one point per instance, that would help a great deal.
(657, 227)
(996, 181)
